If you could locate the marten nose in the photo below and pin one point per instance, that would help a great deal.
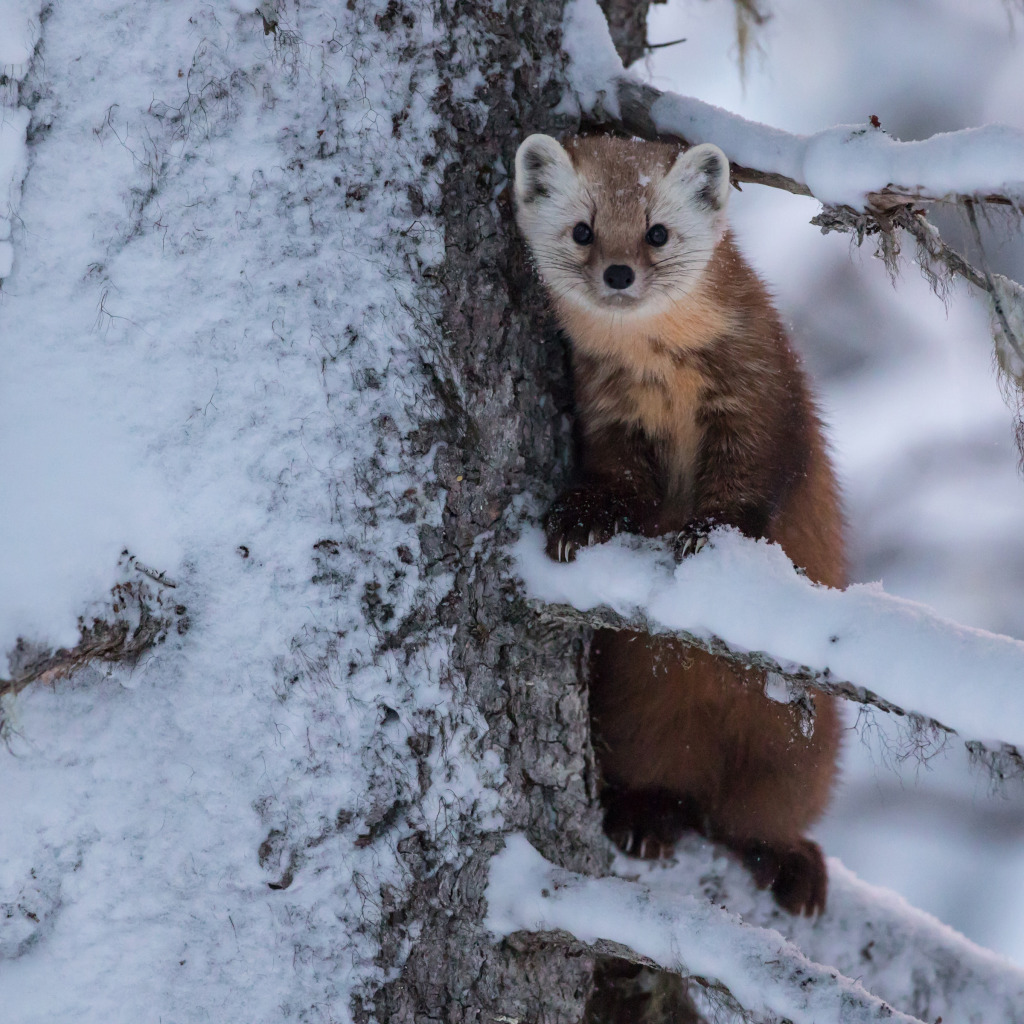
(619, 276)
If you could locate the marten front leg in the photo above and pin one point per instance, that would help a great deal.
(744, 474)
(617, 493)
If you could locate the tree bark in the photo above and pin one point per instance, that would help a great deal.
(502, 378)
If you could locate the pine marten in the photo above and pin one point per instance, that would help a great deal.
(692, 412)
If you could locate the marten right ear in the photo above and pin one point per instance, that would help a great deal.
(702, 174)
(543, 168)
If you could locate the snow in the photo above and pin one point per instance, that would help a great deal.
(883, 951)
(748, 594)
(206, 320)
(20, 19)
(843, 164)
(211, 345)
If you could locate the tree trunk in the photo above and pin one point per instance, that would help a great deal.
(503, 381)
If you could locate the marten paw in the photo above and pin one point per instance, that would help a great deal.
(645, 847)
(582, 517)
(648, 823)
(689, 542)
(796, 874)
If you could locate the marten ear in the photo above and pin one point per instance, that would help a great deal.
(702, 172)
(543, 168)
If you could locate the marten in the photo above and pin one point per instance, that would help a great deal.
(692, 412)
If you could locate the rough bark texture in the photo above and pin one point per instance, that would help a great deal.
(629, 993)
(503, 381)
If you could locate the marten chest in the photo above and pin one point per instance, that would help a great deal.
(660, 405)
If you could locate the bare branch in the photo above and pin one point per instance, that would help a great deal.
(627, 23)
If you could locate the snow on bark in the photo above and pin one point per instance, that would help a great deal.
(704, 918)
(265, 328)
(747, 595)
(500, 376)
(213, 353)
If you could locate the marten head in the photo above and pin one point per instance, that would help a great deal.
(619, 225)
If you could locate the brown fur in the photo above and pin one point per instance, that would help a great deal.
(688, 418)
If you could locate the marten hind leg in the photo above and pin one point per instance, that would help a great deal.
(776, 783)
(795, 872)
(648, 823)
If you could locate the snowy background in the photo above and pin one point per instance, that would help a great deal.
(921, 436)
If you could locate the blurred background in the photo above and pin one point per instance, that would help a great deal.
(922, 438)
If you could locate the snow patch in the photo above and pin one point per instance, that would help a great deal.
(20, 21)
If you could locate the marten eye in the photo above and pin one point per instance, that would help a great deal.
(657, 235)
(582, 235)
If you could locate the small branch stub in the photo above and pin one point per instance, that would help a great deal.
(141, 613)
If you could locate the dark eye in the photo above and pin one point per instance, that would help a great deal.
(657, 235)
(582, 235)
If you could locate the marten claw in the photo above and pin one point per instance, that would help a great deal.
(795, 873)
(566, 550)
(581, 519)
(688, 544)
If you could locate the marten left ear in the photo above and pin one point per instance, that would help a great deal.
(543, 169)
(703, 173)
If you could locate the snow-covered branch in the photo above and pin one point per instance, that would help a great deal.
(744, 600)
(859, 166)
(894, 947)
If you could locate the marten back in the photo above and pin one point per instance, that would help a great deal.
(692, 412)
